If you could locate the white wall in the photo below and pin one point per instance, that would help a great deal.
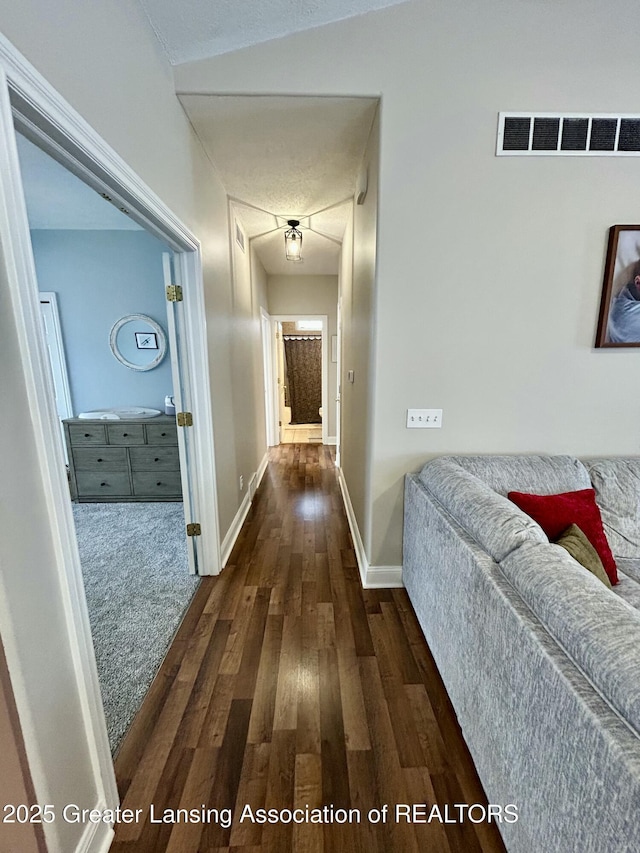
(247, 399)
(489, 269)
(310, 294)
(99, 277)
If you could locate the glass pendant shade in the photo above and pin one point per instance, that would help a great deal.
(293, 241)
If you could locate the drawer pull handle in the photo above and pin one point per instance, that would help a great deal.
(158, 484)
(103, 484)
(156, 459)
(125, 434)
(99, 460)
(87, 435)
(163, 434)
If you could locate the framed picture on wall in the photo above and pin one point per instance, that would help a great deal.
(619, 319)
(146, 340)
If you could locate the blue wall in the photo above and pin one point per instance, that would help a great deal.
(99, 276)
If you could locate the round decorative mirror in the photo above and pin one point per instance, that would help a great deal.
(138, 342)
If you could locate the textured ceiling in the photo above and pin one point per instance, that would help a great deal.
(285, 158)
(195, 29)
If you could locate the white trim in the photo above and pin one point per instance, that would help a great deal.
(383, 577)
(97, 837)
(332, 440)
(236, 525)
(371, 577)
(270, 383)
(234, 530)
(358, 545)
(262, 467)
(203, 467)
(44, 116)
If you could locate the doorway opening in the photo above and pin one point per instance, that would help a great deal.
(302, 378)
(97, 271)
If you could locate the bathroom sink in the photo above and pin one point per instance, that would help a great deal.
(127, 414)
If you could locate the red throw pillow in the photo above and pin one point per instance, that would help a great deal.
(554, 513)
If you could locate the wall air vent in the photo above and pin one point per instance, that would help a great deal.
(572, 134)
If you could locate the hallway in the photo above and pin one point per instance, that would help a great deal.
(289, 686)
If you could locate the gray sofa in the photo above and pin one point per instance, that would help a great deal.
(540, 659)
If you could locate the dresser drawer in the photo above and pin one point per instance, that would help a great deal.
(158, 434)
(125, 434)
(100, 458)
(157, 483)
(90, 434)
(154, 458)
(105, 483)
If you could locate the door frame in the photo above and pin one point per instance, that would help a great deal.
(287, 318)
(270, 380)
(29, 104)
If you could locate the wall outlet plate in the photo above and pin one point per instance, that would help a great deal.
(424, 418)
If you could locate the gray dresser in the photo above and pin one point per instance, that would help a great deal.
(132, 460)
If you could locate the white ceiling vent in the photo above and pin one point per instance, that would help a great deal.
(601, 134)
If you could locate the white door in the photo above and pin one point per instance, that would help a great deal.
(182, 398)
(57, 360)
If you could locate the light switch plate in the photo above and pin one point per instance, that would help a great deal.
(424, 418)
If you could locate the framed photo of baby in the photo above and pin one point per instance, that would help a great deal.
(619, 319)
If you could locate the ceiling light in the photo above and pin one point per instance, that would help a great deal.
(293, 241)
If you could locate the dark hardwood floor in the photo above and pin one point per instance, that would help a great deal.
(289, 686)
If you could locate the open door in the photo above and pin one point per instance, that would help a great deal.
(57, 360)
(184, 411)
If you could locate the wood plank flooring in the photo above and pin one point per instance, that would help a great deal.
(288, 686)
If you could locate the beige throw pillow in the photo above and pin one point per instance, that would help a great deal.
(576, 543)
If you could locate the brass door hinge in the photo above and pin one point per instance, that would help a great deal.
(184, 419)
(174, 293)
(194, 529)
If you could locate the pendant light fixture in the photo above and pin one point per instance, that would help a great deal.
(293, 241)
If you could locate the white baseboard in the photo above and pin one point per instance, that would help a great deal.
(236, 525)
(262, 467)
(383, 577)
(97, 837)
(371, 577)
(331, 439)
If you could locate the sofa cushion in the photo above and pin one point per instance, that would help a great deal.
(598, 630)
(627, 588)
(544, 475)
(554, 513)
(490, 519)
(575, 542)
(617, 486)
(630, 566)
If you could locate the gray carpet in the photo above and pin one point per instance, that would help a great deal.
(138, 586)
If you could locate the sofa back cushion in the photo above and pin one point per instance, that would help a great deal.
(542, 475)
(599, 631)
(493, 521)
(617, 486)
